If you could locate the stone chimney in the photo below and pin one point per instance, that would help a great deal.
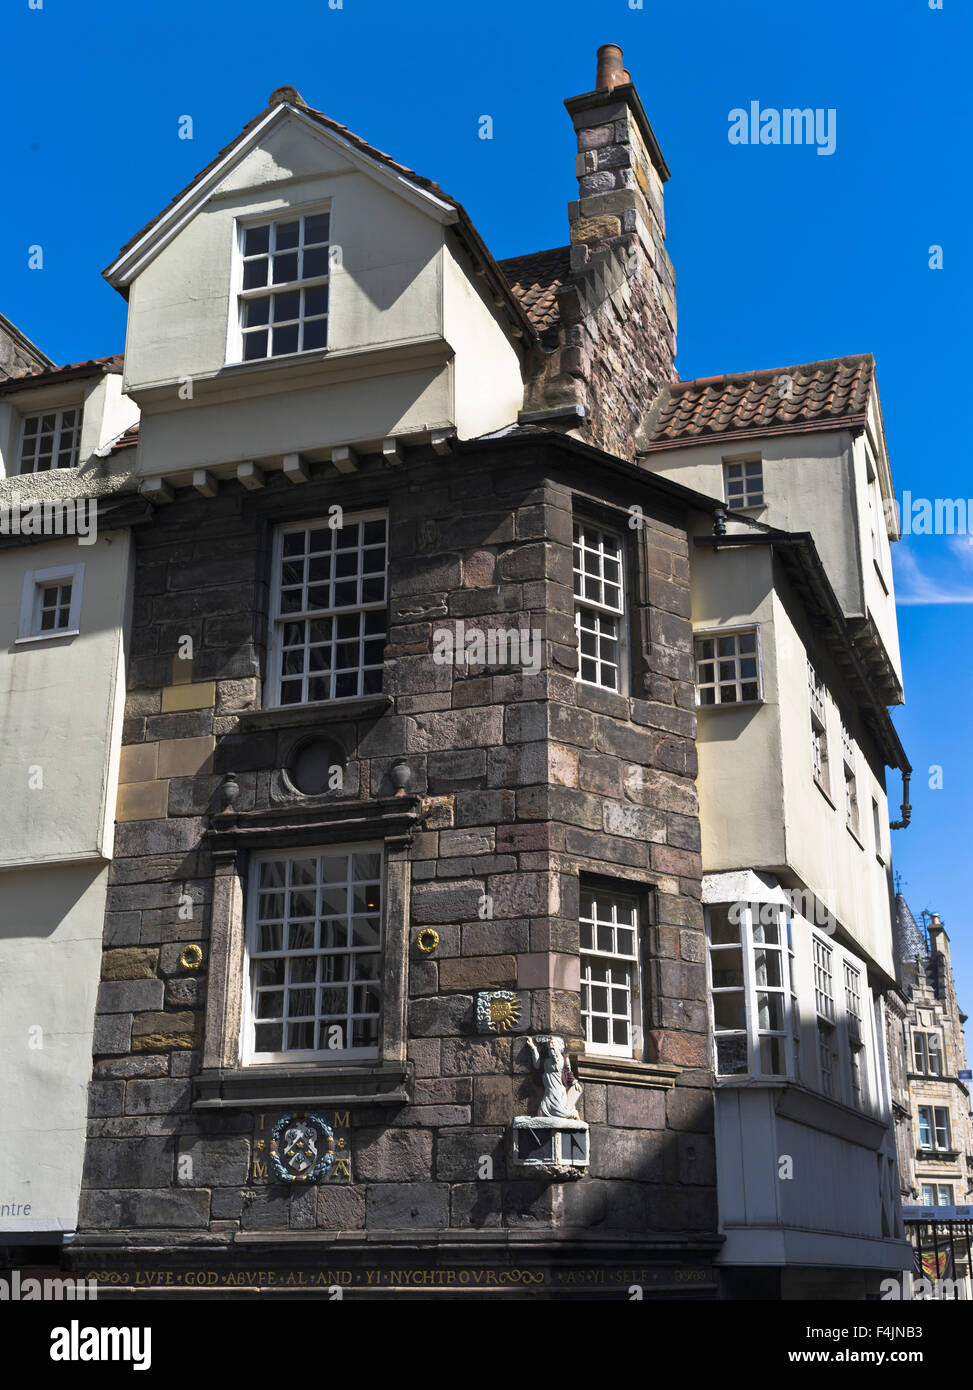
(618, 309)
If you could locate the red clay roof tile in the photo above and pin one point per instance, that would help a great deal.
(782, 400)
(535, 279)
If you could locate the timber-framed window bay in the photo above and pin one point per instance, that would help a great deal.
(773, 980)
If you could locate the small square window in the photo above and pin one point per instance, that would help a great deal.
(50, 441)
(744, 484)
(727, 668)
(50, 604)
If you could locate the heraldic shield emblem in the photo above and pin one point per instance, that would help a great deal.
(302, 1148)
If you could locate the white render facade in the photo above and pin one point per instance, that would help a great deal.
(796, 659)
(64, 610)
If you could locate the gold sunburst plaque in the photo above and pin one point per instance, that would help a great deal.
(504, 1013)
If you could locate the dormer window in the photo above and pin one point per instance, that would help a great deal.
(50, 440)
(283, 279)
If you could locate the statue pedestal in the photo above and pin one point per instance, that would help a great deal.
(541, 1145)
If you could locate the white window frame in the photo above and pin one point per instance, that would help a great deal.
(877, 831)
(30, 602)
(749, 925)
(923, 1052)
(249, 1055)
(934, 1128)
(715, 635)
(855, 984)
(601, 610)
(750, 491)
(852, 810)
(630, 964)
(876, 515)
(239, 296)
(275, 642)
(58, 412)
(824, 960)
(818, 707)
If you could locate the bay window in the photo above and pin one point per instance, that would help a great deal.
(750, 989)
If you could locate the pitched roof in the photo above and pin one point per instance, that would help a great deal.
(782, 400)
(94, 366)
(535, 279)
(290, 97)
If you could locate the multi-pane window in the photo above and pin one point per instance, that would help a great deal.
(856, 1033)
(728, 988)
(50, 441)
(795, 1007)
(770, 994)
(283, 300)
(851, 781)
(315, 948)
(53, 606)
(329, 605)
(927, 1054)
(823, 962)
(749, 988)
(744, 484)
(599, 606)
(819, 728)
(610, 1008)
(933, 1127)
(937, 1194)
(50, 603)
(726, 668)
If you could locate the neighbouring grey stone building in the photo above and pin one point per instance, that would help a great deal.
(407, 835)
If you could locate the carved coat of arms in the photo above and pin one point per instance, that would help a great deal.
(302, 1148)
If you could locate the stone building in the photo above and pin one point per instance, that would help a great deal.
(405, 974)
(933, 1045)
(381, 832)
(18, 355)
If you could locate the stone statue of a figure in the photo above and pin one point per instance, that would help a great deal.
(562, 1089)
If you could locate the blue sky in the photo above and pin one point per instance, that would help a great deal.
(781, 255)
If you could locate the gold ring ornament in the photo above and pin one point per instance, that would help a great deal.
(427, 940)
(191, 957)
